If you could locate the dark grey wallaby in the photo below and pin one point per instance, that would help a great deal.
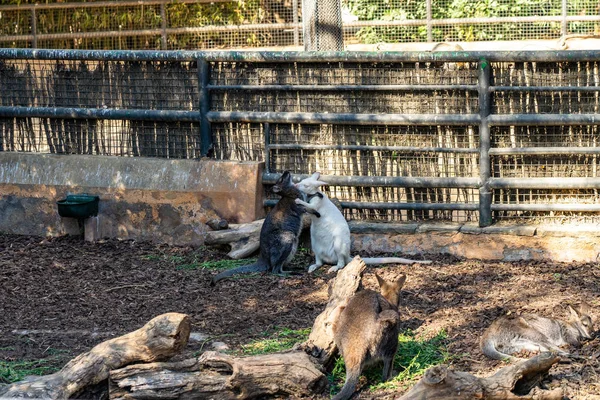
(279, 233)
(366, 331)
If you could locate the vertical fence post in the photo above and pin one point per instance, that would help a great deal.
(429, 20)
(564, 24)
(267, 133)
(163, 34)
(296, 19)
(34, 43)
(206, 143)
(485, 106)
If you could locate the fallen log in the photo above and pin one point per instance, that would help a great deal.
(162, 337)
(218, 376)
(347, 282)
(243, 238)
(515, 382)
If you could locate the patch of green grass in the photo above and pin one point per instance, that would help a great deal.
(414, 356)
(14, 371)
(217, 265)
(280, 340)
(557, 276)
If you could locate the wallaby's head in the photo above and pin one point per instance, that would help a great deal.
(580, 319)
(285, 188)
(311, 184)
(391, 289)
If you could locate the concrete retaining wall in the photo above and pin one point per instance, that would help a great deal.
(170, 201)
(564, 243)
(140, 198)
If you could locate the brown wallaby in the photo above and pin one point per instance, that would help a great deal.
(279, 233)
(366, 331)
(511, 334)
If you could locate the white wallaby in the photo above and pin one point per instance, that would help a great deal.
(330, 234)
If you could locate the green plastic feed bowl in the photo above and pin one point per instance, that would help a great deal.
(78, 206)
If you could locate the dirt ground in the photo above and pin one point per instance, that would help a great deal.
(61, 296)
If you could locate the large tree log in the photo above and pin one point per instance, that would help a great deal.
(162, 337)
(320, 343)
(519, 381)
(218, 376)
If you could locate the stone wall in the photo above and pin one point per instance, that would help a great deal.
(563, 243)
(161, 200)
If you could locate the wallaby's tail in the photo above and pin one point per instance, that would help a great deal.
(393, 260)
(349, 387)
(244, 269)
(488, 347)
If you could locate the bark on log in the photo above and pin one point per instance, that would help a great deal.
(244, 248)
(519, 381)
(162, 337)
(347, 282)
(234, 233)
(243, 238)
(218, 376)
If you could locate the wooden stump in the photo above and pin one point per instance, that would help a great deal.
(518, 381)
(219, 376)
(320, 343)
(162, 337)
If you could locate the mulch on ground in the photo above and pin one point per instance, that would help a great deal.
(61, 296)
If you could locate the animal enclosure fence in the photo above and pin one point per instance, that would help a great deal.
(449, 136)
(228, 24)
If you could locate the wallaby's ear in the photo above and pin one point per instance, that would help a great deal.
(584, 308)
(380, 280)
(401, 281)
(284, 180)
(321, 183)
(574, 314)
(316, 175)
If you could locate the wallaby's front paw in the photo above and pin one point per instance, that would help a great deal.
(298, 201)
(313, 268)
(334, 269)
(317, 214)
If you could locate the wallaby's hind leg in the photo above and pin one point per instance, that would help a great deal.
(540, 345)
(340, 264)
(318, 264)
(283, 253)
(343, 258)
(388, 364)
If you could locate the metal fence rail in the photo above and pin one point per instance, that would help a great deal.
(228, 24)
(452, 136)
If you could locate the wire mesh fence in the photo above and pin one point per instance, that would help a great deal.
(408, 136)
(99, 84)
(234, 24)
(531, 197)
(123, 138)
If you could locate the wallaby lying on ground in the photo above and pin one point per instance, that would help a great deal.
(508, 335)
(279, 233)
(366, 330)
(330, 234)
